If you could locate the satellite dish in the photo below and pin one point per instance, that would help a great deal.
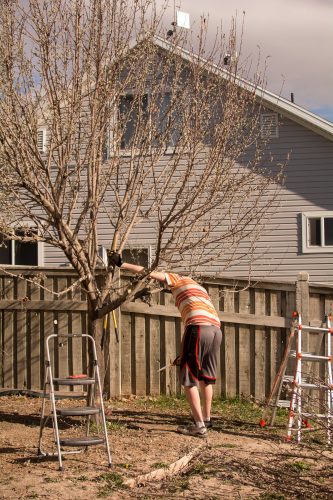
(183, 19)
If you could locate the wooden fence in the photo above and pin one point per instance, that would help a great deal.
(256, 320)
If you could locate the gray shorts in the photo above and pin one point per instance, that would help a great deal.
(200, 347)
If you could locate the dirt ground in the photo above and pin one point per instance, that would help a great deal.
(238, 460)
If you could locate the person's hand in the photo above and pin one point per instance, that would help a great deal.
(115, 258)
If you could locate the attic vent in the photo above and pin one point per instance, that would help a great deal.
(41, 140)
(269, 123)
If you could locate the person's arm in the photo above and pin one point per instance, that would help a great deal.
(115, 259)
(156, 275)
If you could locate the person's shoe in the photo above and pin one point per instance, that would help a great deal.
(208, 424)
(192, 430)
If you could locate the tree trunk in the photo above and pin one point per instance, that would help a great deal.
(95, 329)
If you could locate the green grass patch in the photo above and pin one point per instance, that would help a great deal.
(272, 496)
(175, 403)
(225, 445)
(124, 465)
(198, 468)
(82, 478)
(300, 466)
(51, 480)
(159, 465)
(113, 481)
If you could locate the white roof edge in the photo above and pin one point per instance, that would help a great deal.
(273, 101)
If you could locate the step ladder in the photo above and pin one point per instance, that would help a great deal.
(301, 382)
(95, 406)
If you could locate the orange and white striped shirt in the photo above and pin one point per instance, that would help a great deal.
(192, 300)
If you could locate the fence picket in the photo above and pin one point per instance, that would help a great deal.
(229, 377)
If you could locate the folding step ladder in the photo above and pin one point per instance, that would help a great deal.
(302, 381)
(95, 406)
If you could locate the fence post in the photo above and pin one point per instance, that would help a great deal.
(303, 296)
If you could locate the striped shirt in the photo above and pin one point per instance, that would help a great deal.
(192, 300)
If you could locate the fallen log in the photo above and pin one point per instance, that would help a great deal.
(160, 474)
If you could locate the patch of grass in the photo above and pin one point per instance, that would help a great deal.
(237, 409)
(164, 403)
(198, 468)
(51, 479)
(183, 484)
(111, 425)
(114, 425)
(124, 465)
(113, 480)
(225, 445)
(82, 478)
(300, 466)
(160, 465)
(176, 485)
(271, 496)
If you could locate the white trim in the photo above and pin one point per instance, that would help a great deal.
(306, 248)
(40, 253)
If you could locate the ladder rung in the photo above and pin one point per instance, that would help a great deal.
(305, 384)
(283, 403)
(78, 411)
(74, 381)
(82, 441)
(314, 329)
(318, 387)
(308, 356)
(316, 415)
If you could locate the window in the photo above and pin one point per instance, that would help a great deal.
(41, 140)
(159, 119)
(133, 255)
(317, 232)
(137, 255)
(131, 110)
(269, 125)
(20, 253)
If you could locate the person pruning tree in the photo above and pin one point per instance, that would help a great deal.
(200, 344)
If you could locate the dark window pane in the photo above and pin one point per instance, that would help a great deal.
(328, 230)
(129, 110)
(137, 256)
(5, 251)
(314, 232)
(166, 123)
(26, 253)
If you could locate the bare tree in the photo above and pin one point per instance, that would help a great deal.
(141, 133)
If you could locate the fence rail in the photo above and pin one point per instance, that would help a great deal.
(255, 321)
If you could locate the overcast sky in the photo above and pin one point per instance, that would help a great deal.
(295, 35)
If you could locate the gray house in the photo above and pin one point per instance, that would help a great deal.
(298, 236)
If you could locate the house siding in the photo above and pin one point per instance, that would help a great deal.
(308, 187)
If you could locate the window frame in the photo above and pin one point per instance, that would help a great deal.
(40, 254)
(127, 151)
(306, 248)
